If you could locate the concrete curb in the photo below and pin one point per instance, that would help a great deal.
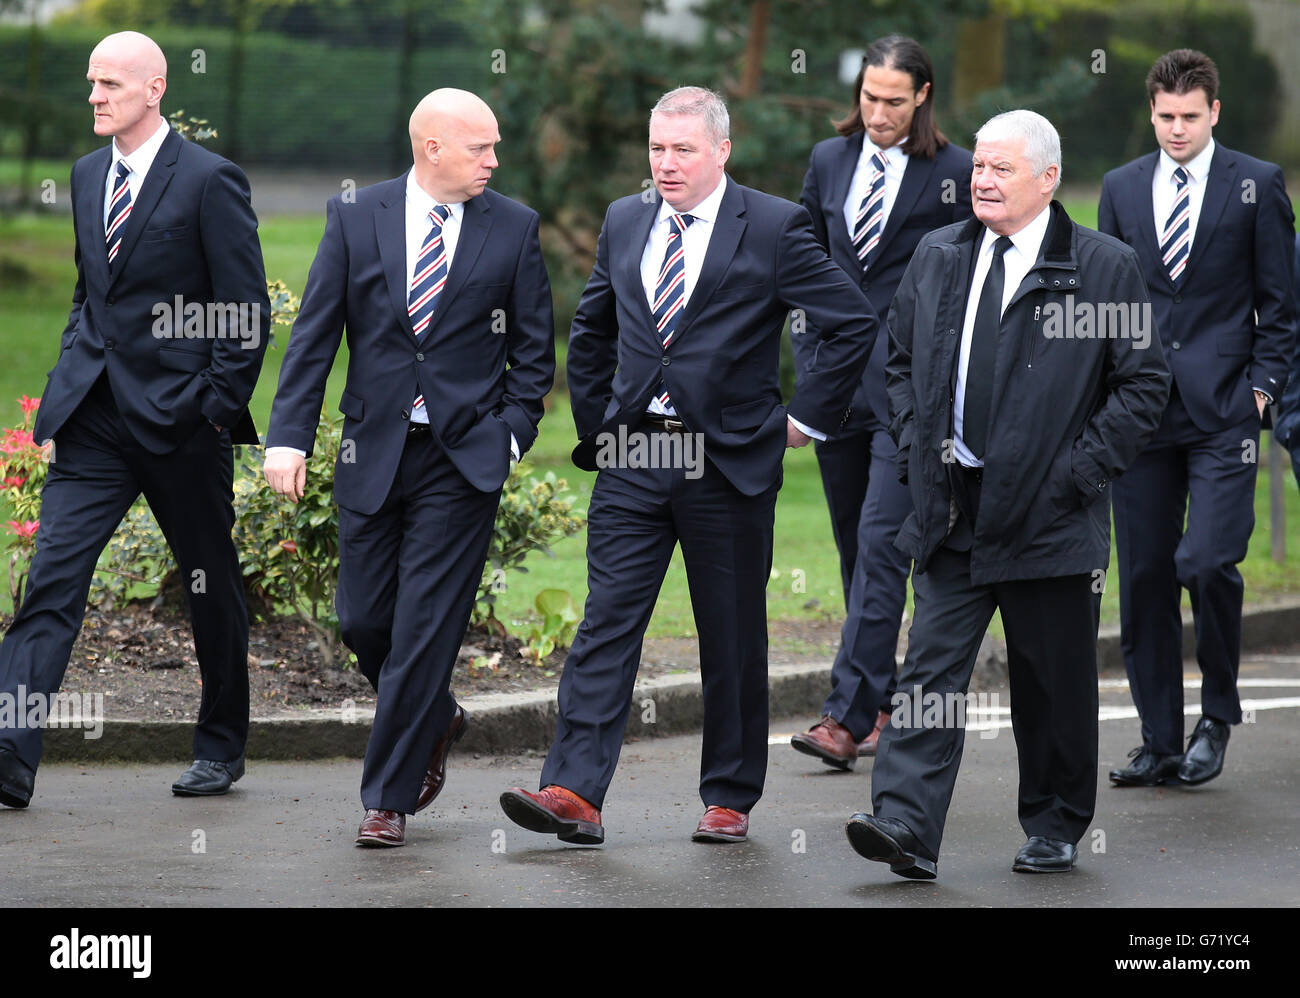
(517, 722)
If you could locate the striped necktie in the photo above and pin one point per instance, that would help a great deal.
(427, 282)
(119, 210)
(869, 223)
(670, 289)
(1177, 238)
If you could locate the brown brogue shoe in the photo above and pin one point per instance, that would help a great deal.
(557, 811)
(868, 745)
(721, 824)
(436, 776)
(382, 828)
(830, 742)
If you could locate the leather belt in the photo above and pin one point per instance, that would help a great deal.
(670, 424)
(415, 429)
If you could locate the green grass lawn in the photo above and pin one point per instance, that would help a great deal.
(36, 280)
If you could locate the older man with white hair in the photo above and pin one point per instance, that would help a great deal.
(1013, 415)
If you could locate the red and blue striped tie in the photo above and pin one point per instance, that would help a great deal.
(119, 210)
(869, 221)
(1175, 242)
(429, 279)
(670, 289)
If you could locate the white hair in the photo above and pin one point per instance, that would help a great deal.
(1042, 143)
(698, 101)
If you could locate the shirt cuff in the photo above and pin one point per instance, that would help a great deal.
(1265, 394)
(514, 448)
(806, 430)
(285, 450)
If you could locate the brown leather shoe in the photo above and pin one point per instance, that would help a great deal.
(721, 824)
(555, 810)
(868, 745)
(436, 775)
(382, 828)
(830, 742)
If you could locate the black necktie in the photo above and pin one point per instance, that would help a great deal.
(983, 354)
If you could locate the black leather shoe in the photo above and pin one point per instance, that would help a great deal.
(887, 840)
(1044, 855)
(207, 778)
(17, 780)
(1203, 760)
(1148, 769)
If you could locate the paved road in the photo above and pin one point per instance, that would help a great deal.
(113, 835)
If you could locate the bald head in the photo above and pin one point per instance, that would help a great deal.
(128, 77)
(453, 135)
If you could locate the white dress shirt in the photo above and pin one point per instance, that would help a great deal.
(1016, 262)
(138, 163)
(695, 245)
(1164, 190)
(895, 167)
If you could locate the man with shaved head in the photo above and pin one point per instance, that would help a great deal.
(146, 398)
(441, 288)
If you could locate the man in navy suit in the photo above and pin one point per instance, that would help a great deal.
(442, 289)
(677, 338)
(889, 178)
(1214, 231)
(160, 355)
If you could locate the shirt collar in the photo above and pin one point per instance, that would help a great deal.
(893, 155)
(418, 197)
(706, 210)
(1197, 170)
(1029, 240)
(142, 158)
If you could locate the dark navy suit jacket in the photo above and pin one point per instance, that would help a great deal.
(191, 235)
(721, 368)
(483, 364)
(934, 193)
(1228, 324)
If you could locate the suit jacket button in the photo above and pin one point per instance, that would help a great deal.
(1176, 345)
(1178, 299)
(109, 344)
(419, 356)
(665, 361)
(405, 414)
(109, 301)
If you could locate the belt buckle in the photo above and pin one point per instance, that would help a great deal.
(674, 425)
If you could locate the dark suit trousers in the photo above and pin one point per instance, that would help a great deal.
(98, 470)
(845, 463)
(862, 678)
(636, 518)
(1184, 474)
(408, 575)
(1051, 631)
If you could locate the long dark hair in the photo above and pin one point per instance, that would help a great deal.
(898, 52)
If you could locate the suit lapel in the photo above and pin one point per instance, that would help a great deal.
(475, 222)
(727, 230)
(915, 177)
(90, 215)
(152, 189)
(390, 232)
(1143, 206)
(629, 258)
(845, 163)
(1218, 186)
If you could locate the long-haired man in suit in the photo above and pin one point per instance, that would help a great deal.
(1214, 231)
(440, 284)
(678, 333)
(887, 179)
(148, 396)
